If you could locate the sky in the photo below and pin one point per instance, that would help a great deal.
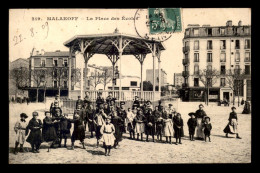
(25, 33)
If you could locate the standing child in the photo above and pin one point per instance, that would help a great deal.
(99, 122)
(207, 128)
(140, 126)
(20, 132)
(35, 136)
(65, 126)
(168, 128)
(192, 124)
(107, 130)
(178, 124)
(158, 122)
(130, 125)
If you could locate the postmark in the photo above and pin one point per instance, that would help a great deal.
(143, 24)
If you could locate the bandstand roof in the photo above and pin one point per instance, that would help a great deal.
(101, 44)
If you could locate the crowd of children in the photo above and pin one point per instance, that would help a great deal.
(109, 122)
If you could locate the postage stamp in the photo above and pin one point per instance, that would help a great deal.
(165, 20)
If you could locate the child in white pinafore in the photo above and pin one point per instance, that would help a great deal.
(107, 131)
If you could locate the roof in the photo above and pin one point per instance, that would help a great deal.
(55, 54)
(21, 59)
(101, 44)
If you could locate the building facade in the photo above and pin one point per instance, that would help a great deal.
(149, 77)
(221, 48)
(58, 78)
(178, 79)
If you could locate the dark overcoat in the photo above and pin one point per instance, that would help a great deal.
(35, 136)
(48, 130)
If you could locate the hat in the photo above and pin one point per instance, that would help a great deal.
(148, 102)
(233, 107)
(35, 113)
(201, 105)
(122, 103)
(46, 112)
(170, 104)
(23, 115)
(178, 114)
(206, 117)
(191, 113)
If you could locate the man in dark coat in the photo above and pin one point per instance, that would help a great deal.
(35, 136)
(160, 107)
(56, 115)
(192, 124)
(121, 112)
(150, 125)
(90, 114)
(99, 100)
(158, 122)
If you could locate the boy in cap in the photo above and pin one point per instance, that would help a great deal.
(35, 136)
(207, 128)
(65, 126)
(20, 132)
(192, 124)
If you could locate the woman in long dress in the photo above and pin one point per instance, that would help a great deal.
(231, 127)
(200, 114)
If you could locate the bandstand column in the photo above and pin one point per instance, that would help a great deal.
(120, 69)
(81, 81)
(69, 89)
(159, 70)
(86, 74)
(153, 54)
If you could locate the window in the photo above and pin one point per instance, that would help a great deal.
(196, 57)
(125, 88)
(237, 69)
(237, 45)
(209, 67)
(247, 57)
(65, 62)
(196, 82)
(222, 69)
(196, 32)
(237, 57)
(43, 62)
(223, 57)
(222, 82)
(247, 44)
(65, 84)
(209, 44)
(222, 31)
(187, 43)
(196, 45)
(209, 82)
(65, 73)
(55, 73)
(222, 44)
(187, 32)
(209, 57)
(55, 84)
(209, 31)
(196, 69)
(247, 69)
(246, 30)
(55, 62)
(133, 83)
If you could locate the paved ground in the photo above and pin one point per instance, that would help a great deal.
(220, 150)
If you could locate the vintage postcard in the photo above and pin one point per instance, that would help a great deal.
(130, 86)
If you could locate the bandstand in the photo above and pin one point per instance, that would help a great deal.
(114, 46)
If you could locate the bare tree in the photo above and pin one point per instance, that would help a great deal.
(20, 76)
(59, 74)
(38, 77)
(95, 79)
(208, 77)
(234, 78)
(106, 77)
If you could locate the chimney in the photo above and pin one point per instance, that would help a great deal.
(42, 51)
(240, 23)
(229, 23)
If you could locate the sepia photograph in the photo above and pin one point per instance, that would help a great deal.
(130, 86)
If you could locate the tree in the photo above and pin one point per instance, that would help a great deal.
(234, 78)
(95, 79)
(106, 77)
(38, 77)
(20, 77)
(59, 74)
(208, 77)
(147, 86)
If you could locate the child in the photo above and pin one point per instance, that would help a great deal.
(168, 128)
(232, 124)
(79, 130)
(20, 132)
(65, 126)
(158, 122)
(35, 136)
(150, 125)
(207, 128)
(99, 122)
(107, 130)
(48, 130)
(140, 126)
(178, 124)
(90, 118)
(130, 125)
(192, 124)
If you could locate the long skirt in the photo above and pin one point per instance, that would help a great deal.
(231, 128)
(200, 133)
(139, 128)
(78, 133)
(168, 130)
(91, 127)
(130, 127)
(177, 132)
(20, 136)
(108, 139)
(35, 137)
(49, 134)
(150, 130)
